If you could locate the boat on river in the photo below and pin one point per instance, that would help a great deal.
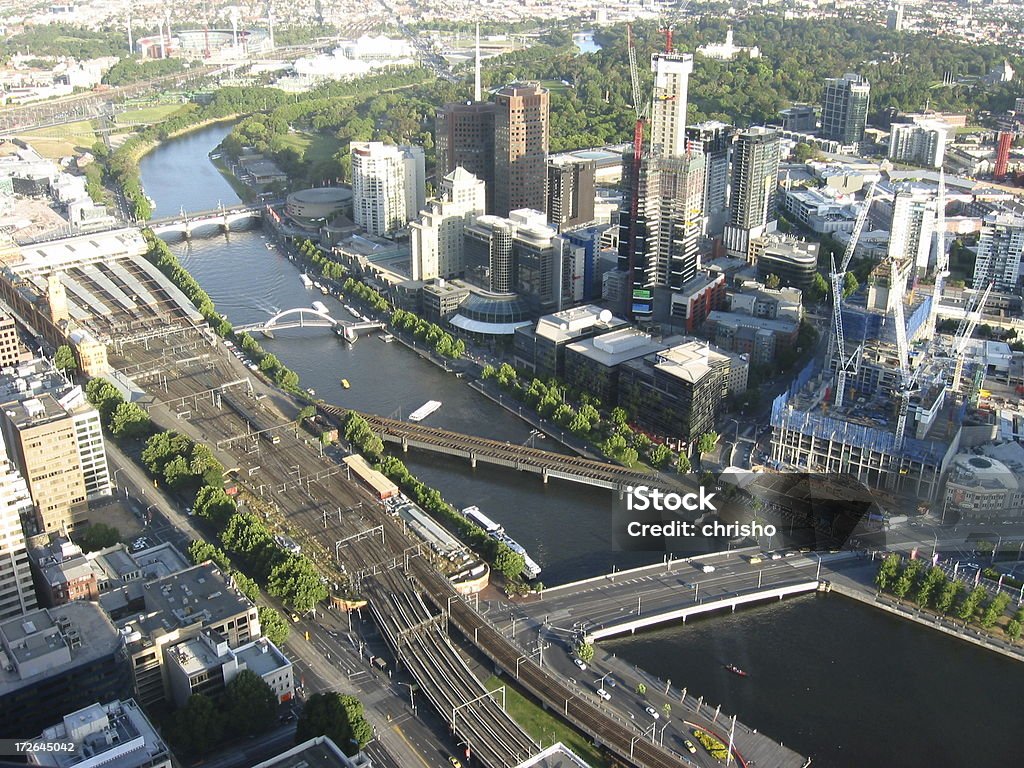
(425, 410)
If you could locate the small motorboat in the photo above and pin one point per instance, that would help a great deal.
(735, 670)
(345, 384)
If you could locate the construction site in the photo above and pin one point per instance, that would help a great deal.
(893, 401)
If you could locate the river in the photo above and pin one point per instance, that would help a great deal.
(833, 679)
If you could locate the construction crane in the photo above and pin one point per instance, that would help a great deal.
(941, 255)
(963, 334)
(640, 108)
(846, 365)
(669, 21)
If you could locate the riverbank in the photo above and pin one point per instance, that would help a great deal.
(850, 587)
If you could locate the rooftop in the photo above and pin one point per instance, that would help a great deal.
(261, 656)
(198, 594)
(611, 349)
(115, 735)
(749, 321)
(319, 752)
(570, 323)
(45, 641)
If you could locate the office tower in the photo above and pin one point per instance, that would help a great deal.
(519, 254)
(570, 192)
(715, 140)
(12, 352)
(755, 171)
(999, 252)
(414, 165)
(668, 111)
(894, 17)
(42, 439)
(913, 228)
(436, 238)
(16, 593)
(38, 384)
(922, 142)
(520, 148)
(380, 173)
(800, 118)
(665, 234)
(844, 110)
(464, 136)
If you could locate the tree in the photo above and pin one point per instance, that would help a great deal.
(660, 455)
(707, 442)
(64, 359)
(803, 152)
(818, 289)
(585, 652)
(198, 726)
(772, 281)
(666, 709)
(508, 562)
(618, 416)
(887, 571)
(944, 602)
(337, 716)
(641, 689)
(245, 585)
(97, 536)
(683, 464)
(200, 551)
(214, 505)
(850, 284)
(1013, 628)
(249, 703)
(176, 472)
(307, 412)
(274, 625)
(129, 420)
(296, 581)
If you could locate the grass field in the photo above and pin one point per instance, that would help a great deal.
(315, 147)
(544, 727)
(154, 114)
(555, 86)
(61, 140)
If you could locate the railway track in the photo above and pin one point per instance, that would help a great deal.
(396, 582)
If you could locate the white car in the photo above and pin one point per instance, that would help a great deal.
(604, 694)
(579, 663)
(652, 712)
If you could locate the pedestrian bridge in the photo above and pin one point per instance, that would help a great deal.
(306, 317)
(219, 219)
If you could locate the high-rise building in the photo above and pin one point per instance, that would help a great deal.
(922, 142)
(1000, 249)
(668, 111)
(715, 139)
(519, 254)
(663, 250)
(570, 192)
(464, 136)
(520, 148)
(844, 109)
(12, 351)
(894, 17)
(436, 238)
(755, 171)
(387, 185)
(39, 380)
(16, 593)
(913, 227)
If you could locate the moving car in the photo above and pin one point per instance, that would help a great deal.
(579, 663)
(604, 694)
(652, 712)
(454, 761)
(689, 746)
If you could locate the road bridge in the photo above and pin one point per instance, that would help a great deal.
(547, 464)
(306, 317)
(221, 217)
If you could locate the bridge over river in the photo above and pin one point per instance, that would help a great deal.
(547, 464)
